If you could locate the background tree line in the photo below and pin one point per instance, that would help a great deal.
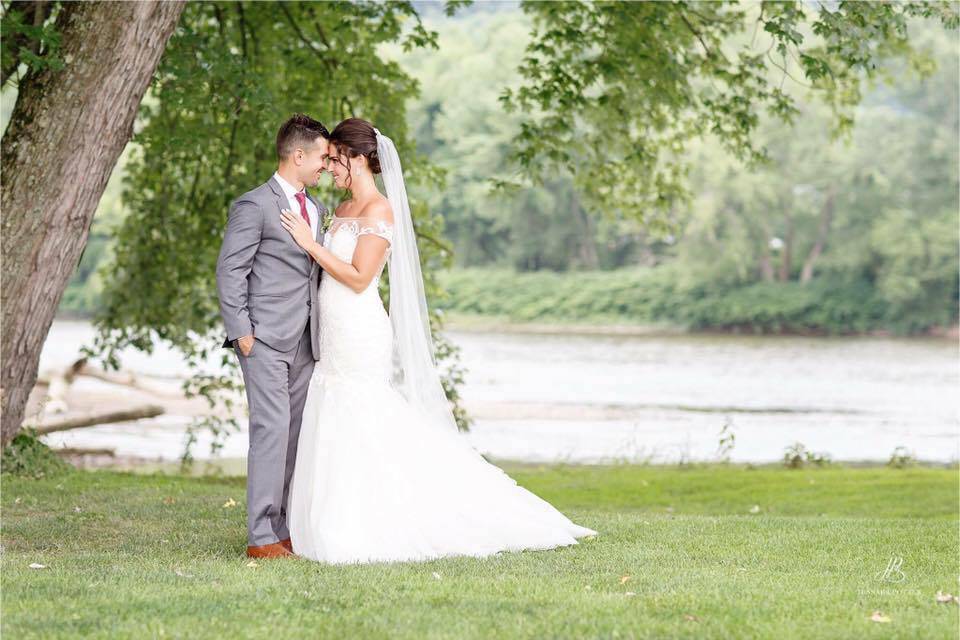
(602, 138)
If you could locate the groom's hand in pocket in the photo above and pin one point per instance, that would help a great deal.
(245, 344)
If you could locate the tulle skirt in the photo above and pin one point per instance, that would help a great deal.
(375, 481)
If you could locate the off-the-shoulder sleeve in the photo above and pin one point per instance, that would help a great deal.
(378, 228)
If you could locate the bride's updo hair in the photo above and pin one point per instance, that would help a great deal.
(355, 137)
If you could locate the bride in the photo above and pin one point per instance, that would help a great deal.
(382, 473)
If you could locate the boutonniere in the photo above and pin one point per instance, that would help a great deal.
(326, 222)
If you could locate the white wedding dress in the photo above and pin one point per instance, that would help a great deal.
(374, 481)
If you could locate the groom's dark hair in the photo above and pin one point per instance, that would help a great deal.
(299, 131)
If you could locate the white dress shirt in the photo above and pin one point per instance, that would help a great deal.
(290, 192)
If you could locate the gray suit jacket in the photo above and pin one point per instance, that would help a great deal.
(267, 284)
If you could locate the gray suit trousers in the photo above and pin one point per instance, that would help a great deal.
(276, 384)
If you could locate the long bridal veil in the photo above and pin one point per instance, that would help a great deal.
(416, 375)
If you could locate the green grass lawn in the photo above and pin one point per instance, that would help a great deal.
(698, 552)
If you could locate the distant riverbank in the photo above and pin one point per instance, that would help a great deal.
(660, 300)
(665, 300)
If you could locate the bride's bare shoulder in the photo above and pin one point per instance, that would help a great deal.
(378, 209)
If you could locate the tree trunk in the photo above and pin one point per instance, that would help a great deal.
(826, 219)
(766, 267)
(786, 258)
(766, 260)
(587, 249)
(65, 134)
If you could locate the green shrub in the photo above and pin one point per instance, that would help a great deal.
(28, 457)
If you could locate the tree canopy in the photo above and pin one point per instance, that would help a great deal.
(614, 92)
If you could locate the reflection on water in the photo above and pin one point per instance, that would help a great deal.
(663, 398)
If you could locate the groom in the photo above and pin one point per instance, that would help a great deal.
(267, 287)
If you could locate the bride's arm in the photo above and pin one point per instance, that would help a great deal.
(357, 274)
(367, 258)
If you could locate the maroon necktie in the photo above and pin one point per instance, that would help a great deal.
(302, 199)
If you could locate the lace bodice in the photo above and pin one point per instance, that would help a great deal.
(342, 236)
(355, 333)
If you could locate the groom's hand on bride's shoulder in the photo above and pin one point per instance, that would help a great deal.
(245, 344)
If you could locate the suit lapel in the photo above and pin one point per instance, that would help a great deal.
(284, 203)
(320, 212)
(318, 235)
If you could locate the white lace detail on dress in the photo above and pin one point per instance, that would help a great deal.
(363, 226)
(343, 245)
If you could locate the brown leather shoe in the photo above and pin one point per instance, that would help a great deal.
(287, 544)
(272, 550)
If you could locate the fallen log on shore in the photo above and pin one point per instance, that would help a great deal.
(80, 451)
(90, 419)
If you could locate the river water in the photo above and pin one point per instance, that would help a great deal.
(595, 398)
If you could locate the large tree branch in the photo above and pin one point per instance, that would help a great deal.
(325, 60)
(35, 12)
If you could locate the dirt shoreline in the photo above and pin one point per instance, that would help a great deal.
(490, 324)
